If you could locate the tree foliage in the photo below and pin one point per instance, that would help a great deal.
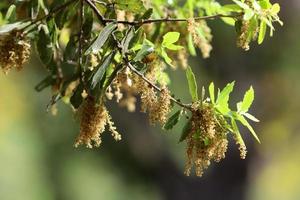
(97, 50)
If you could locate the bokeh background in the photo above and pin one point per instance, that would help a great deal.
(38, 161)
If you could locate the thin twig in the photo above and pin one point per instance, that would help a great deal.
(166, 20)
(132, 68)
(96, 11)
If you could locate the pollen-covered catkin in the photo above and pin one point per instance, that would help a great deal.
(201, 35)
(206, 140)
(93, 121)
(14, 51)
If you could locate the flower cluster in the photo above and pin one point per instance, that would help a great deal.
(94, 118)
(202, 36)
(14, 51)
(206, 141)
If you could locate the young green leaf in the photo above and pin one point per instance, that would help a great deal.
(169, 39)
(173, 120)
(247, 101)
(262, 32)
(101, 39)
(251, 117)
(192, 84)
(246, 124)
(223, 97)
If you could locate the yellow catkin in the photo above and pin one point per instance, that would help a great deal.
(206, 141)
(201, 41)
(93, 121)
(14, 51)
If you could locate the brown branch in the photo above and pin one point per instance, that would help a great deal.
(132, 68)
(96, 11)
(166, 20)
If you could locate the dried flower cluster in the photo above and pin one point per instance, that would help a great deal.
(202, 36)
(244, 37)
(94, 118)
(206, 140)
(14, 51)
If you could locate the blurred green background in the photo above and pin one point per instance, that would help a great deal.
(38, 161)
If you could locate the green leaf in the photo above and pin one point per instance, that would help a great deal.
(11, 13)
(237, 133)
(275, 9)
(165, 56)
(101, 70)
(212, 92)
(248, 14)
(262, 32)
(171, 37)
(9, 27)
(223, 98)
(246, 124)
(247, 101)
(134, 6)
(192, 84)
(186, 131)
(251, 117)
(127, 39)
(49, 80)
(147, 14)
(76, 98)
(144, 51)
(173, 120)
(44, 45)
(101, 39)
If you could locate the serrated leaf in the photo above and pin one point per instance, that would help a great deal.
(101, 39)
(185, 131)
(211, 89)
(101, 70)
(223, 98)
(173, 120)
(246, 124)
(134, 6)
(247, 100)
(262, 32)
(192, 84)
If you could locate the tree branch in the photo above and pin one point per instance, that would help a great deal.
(132, 68)
(166, 20)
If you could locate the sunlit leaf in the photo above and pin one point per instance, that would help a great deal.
(192, 84)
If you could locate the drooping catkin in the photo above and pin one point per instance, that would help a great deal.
(201, 35)
(14, 51)
(93, 122)
(206, 140)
